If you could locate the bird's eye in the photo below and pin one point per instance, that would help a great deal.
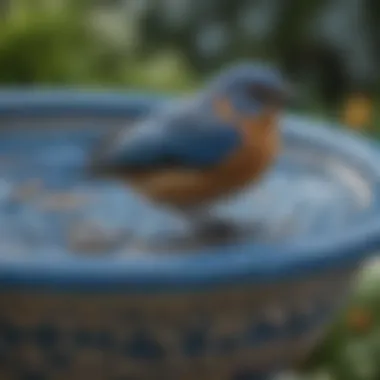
(265, 95)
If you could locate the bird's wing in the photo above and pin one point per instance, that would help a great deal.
(180, 142)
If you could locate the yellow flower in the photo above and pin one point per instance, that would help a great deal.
(358, 111)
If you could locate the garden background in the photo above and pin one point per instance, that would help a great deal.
(329, 48)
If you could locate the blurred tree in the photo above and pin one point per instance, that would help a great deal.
(195, 29)
(33, 48)
(69, 42)
(54, 41)
(113, 42)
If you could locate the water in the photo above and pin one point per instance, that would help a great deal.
(49, 207)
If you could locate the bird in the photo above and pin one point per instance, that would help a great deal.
(204, 147)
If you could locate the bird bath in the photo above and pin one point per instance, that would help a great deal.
(96, 283)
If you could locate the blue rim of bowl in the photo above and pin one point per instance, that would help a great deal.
(238, 264)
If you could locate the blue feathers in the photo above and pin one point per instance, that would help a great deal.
(138, 146)
(203, 143)
(177, 141)
(193, 136)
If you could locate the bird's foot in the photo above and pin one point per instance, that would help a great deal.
(217, 231)
(212, 229)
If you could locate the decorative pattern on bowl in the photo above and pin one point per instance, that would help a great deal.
(224, 334)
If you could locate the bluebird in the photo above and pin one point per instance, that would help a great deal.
(208, 146)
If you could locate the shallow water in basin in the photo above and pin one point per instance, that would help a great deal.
(48, 206)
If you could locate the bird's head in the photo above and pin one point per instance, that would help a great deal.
(248, 92)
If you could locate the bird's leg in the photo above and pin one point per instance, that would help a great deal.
(207, 226)
(194, 216)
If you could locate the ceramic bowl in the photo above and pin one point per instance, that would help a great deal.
(94, 287)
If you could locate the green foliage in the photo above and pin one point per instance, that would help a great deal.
(165, 70)
(51, 42)
(42, 46)
(349, 354)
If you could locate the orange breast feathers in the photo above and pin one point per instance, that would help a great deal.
(184, 188)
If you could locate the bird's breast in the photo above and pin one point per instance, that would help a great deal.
(259, 149)
(192, 187)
